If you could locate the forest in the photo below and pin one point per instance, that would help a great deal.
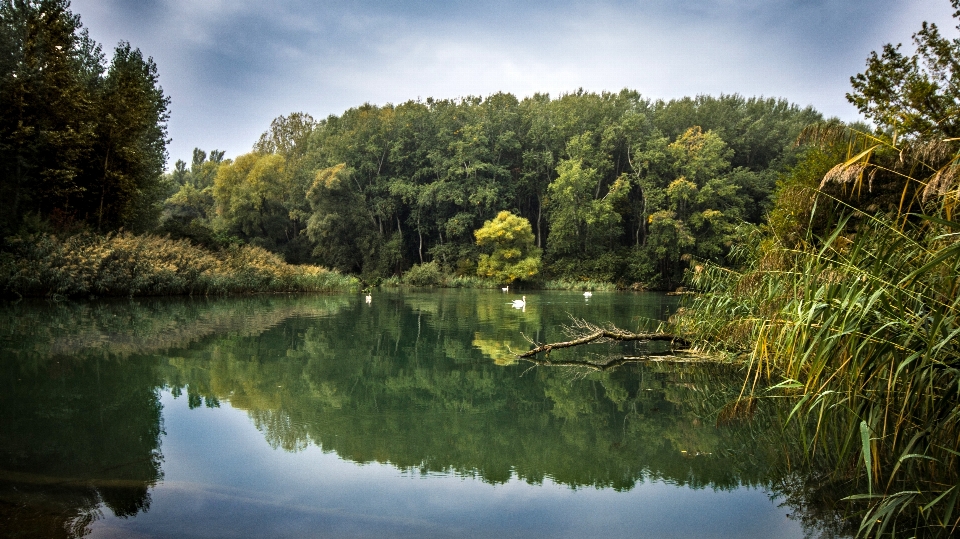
(613, 187)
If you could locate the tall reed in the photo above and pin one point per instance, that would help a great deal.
(863, 331)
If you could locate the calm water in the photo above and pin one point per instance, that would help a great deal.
(407, 417)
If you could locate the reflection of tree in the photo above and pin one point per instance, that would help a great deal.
(402, 397)
(73, 435)
(123, 328)
(406, 381)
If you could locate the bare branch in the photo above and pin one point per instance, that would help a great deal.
(584, 332)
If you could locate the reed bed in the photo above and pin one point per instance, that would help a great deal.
(862, 330)
(582, 284)
(125, 264)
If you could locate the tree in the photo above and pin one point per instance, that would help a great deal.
(78, 140)
(514, 255)
(250, 193)
(341, 226)
(45, 116)
(580, 223)
(130, 150)
(917, 94)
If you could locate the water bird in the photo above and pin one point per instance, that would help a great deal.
(520, 303)
(369, 298)
(587, 294)
(505, 288)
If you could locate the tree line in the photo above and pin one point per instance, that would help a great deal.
(614, 186)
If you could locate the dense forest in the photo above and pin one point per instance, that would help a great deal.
(615, 187)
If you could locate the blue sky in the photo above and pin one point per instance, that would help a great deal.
(231, 66)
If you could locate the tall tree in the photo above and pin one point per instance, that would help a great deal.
(129, 154)
(916, 94)
(45, 112)
(78, 140)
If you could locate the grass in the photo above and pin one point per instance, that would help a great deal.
(125, 264)
(578, 284)
(862, 329)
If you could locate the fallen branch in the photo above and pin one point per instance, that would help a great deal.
(607, 335)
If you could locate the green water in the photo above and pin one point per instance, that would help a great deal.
(326, 416)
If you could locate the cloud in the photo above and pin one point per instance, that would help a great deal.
(231, 66)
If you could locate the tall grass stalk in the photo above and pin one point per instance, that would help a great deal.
(864, 332)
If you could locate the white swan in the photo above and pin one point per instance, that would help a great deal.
(506, 288)
(587, 294)
(520, 303)
(369, 298)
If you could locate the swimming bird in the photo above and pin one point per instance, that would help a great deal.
(520, 303)
(369, 298)
(587, 294)
(506, 288)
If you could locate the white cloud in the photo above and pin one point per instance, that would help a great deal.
(232, 66)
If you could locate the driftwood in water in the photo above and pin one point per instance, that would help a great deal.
(603, 335)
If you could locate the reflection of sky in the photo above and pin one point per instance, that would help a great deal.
(222, 479)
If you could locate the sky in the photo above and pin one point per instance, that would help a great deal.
(232, 66)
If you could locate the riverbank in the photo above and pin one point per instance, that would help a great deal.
(860, 328)
(88, 265)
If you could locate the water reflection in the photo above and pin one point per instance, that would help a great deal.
(421, 382)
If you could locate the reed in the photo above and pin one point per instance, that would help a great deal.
(863, 331)
(125, 264)
(581, 284)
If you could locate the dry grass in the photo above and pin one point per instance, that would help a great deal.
(124, 264)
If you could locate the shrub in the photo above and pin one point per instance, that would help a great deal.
(426, 274)
(128, 265)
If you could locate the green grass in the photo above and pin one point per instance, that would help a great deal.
(578, 284)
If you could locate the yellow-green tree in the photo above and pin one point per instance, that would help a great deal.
(514, 254)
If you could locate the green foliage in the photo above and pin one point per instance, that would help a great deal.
(914, 94)
(129, 265)
(426, 274)
(514, 255)
(81, 140)
(564, 284)
(865, 327)
(586, 170)
(857, 311)
(850, 294)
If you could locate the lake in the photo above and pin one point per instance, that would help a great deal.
(409, 416)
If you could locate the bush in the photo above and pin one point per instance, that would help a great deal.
(426, 274)
(128, 265)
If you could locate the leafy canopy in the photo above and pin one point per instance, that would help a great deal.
(514, 254)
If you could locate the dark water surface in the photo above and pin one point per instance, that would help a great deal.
(325, 416)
